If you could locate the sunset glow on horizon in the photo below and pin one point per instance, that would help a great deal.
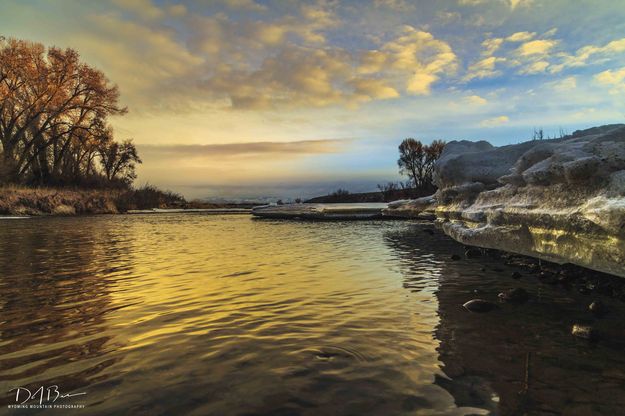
(270, 98)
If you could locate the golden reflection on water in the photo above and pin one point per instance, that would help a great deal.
(202, 314)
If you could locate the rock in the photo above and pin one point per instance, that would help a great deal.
(583, 331)
(597, 307)
(479, 305)
(545, 275)
(321, 211)
(516, 275)
(473, 253)
(412, 208)
(455, 257)
(63, 210)
(561, 200)
(517, 295)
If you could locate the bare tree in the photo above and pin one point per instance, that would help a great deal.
(412, 160)
(119, 160)
(417, 161)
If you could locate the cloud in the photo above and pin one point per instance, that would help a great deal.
(534, 68)
(565, 85)
(177, 10)
(491, 46)
(420, 57)
(483, 68)
(614, 79)
(475, 100)
(536, 47)
(303, 147)
(250, 5)
(521, 36)
(144, 9)
(374, 89)
(516, 3)
(396, 5)
(495, 121)
(513, 4)
(583, 55)
(153, 63)
(310, 75)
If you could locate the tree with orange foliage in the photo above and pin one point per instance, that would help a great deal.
(53, 115)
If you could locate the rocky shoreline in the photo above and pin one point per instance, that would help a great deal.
(561, 200)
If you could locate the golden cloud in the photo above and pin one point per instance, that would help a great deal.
(521, 36)
(614, 79)
(536, 47)
(202, 151)
(483, 68)
(494, 122)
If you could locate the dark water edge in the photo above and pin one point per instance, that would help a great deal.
(524, 353)
(66, 290)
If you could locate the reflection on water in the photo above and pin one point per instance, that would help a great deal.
(520, 359)
(203, 314)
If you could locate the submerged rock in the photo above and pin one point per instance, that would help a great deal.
(517, 295)
(561, 200)
(472, 253)
(583, 331)
(597, 307)
(479, 305)
(321, 211)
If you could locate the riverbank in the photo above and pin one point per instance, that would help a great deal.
(23, 201)
(561, 200)
(18, 200)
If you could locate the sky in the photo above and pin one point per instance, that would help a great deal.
(285, 99)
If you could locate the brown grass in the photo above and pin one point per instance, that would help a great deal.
(19, 200)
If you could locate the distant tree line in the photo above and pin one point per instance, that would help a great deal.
(54, 112)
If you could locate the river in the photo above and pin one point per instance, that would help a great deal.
(199, 314)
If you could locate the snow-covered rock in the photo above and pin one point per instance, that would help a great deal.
(562, 200)
(321, 211)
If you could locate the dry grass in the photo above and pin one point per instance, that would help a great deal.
(19, 200)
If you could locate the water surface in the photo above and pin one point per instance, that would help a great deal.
(206, 314)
